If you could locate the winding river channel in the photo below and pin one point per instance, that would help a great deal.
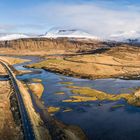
(99, 122)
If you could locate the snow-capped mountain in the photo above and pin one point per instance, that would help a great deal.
(69, 33)
(128, 37)
(53, 33)
(13, 37)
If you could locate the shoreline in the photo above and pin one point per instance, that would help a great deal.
(10, 120)
(89, 77)
(53, 124)
(95, 66)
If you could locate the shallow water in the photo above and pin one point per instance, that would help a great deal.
(99, 122)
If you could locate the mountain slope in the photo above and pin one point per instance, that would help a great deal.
(69, 33)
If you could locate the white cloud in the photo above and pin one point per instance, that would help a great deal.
(99, 20)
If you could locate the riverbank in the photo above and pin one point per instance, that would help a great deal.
(39, 126)
(40, 130)
(12, 60)
(10, 123)
(57, 129)
(114, 63)
(9, 128)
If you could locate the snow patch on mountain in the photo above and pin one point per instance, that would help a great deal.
(12, 37)
(69, 33)
(130, 36)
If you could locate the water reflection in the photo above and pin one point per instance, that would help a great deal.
(100, 122)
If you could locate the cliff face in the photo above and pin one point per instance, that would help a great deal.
(43, 44)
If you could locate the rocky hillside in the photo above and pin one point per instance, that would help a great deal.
(43, 44)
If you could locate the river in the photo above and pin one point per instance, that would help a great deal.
(98, 122)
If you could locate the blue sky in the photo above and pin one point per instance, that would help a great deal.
(99, 17)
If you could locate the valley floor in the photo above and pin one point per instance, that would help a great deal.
(116, 62)
(122, 62)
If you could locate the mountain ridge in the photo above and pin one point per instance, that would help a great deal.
(77, 34)
(126, 37)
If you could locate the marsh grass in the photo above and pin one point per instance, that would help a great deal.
(85, 94)
(52, 109)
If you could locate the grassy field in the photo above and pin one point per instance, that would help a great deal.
(12, 60)
(36, 88)
(8, 128)
(116, 62)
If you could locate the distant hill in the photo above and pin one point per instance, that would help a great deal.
(126, 37)
(12, 36)
(69, 33)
